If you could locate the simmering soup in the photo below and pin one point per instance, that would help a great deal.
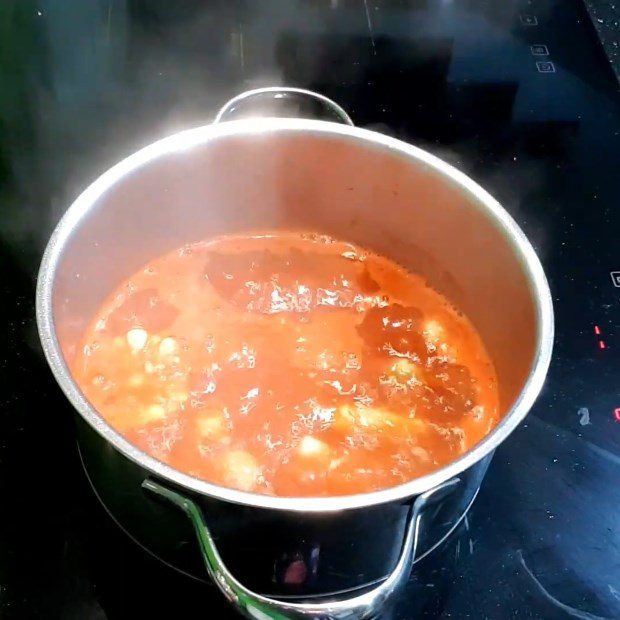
(289, 364)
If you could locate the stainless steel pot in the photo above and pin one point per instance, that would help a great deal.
(349, 554)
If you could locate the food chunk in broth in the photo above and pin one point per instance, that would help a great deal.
(289, 364)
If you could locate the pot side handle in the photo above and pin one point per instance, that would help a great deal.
(282, 92)
(258, 607)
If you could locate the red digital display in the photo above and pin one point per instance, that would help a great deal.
(601, 342)
(617, 413)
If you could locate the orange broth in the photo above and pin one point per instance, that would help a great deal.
(288, 364)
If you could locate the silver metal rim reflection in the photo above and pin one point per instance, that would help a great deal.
(185, 140)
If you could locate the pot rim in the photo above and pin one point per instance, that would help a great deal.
(187, 139)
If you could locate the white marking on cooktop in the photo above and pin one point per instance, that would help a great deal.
(372, 36)
(584, 414)
(545, 66)
(571, 611)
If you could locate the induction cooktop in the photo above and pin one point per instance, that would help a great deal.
(518, 94)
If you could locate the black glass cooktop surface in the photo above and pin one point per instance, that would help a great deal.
(518, 94)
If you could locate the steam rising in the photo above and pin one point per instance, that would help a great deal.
(90, 82)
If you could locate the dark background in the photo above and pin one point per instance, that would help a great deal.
(84, 83)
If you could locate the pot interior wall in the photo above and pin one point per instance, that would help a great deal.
(340, 185)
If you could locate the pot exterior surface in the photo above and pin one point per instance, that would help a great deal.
(252, 176)
(275, 553)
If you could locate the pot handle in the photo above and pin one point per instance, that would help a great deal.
(258, 607)
(283, 92)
